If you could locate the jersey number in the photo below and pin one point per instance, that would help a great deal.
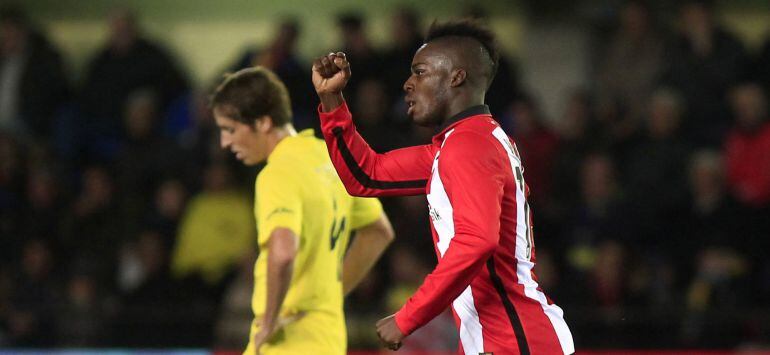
(528, 222)
(336, 231)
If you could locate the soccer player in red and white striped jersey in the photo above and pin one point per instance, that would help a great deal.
(474, 181)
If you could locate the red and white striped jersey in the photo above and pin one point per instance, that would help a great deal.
(481, 224)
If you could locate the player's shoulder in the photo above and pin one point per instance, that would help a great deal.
(476, 133)
(278, 171)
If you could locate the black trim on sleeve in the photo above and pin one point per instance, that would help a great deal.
(364, 179)
(513, 317)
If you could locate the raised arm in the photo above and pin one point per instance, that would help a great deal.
(363, 171)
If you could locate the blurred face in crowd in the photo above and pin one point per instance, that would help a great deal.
(216, 177)
(97, 185)
(598, 180)
(664, 115)
(372, 102)
(576, 117)
(427, 89)
(12, 38)
(140, 114)
(524, 114)
(36, 259)
(41, 189)
(696, 19)
(247, 142)
(706, 172)
(749, 105)
(635, 19)
(170, 199)
(122, 25)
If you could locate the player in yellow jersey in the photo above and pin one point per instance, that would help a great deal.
(304, 220)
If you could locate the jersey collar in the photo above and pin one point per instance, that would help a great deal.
(452, 121)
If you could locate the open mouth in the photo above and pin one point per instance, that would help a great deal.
(410, 107)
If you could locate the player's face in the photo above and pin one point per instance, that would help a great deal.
(427, 89)
(247, 142)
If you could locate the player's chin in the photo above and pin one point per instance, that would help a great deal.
(247, 161)
(422, 120)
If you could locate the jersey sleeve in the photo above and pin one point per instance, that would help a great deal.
(471, 171)
(363, 171)
(278, 203)
(364, 211)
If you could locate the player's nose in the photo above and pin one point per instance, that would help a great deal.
(408, 85)
(224, 141)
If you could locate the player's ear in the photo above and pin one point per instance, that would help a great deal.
(458, 77)
(263, 124)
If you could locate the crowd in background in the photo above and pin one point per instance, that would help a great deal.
(122, 222)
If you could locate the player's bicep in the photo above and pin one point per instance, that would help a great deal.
(473, 176)
(279, 204)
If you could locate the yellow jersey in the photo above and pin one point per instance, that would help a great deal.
(299, 189)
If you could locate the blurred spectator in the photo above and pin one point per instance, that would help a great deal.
(761, 69)
(406, 36)
(128, 62)
(369, 63)
(577, 138)
(235, 314)
(11, 196)
(145, 158)
(505, 86)
(81, 314)
(33, 85)
(167, 208)
(372, 120)
(91, 228)
(747, 147)
(150, 314)
(408, 272)
(747, 158)
(719, 270)
(704, 61)
(31, 317)
(217, 229)
(595, 219)
(281, 57)
(716, 223)
(537, 143)
(631, 65)
(43, 209)
(655, 173)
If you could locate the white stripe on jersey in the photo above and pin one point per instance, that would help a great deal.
(441, 215)
(523, 263)
(470, 326)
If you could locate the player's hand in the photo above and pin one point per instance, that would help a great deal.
(389, 333)
(266, 331)
(331, 73)
(262, 336)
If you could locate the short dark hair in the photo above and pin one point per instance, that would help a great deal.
(471, 29)
(251, 93)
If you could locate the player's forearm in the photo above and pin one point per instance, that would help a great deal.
(367, 247)
(363, 171)
(280, 266)
(449, 279)
(331, 101)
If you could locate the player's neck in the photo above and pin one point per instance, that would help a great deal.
(464, 102)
